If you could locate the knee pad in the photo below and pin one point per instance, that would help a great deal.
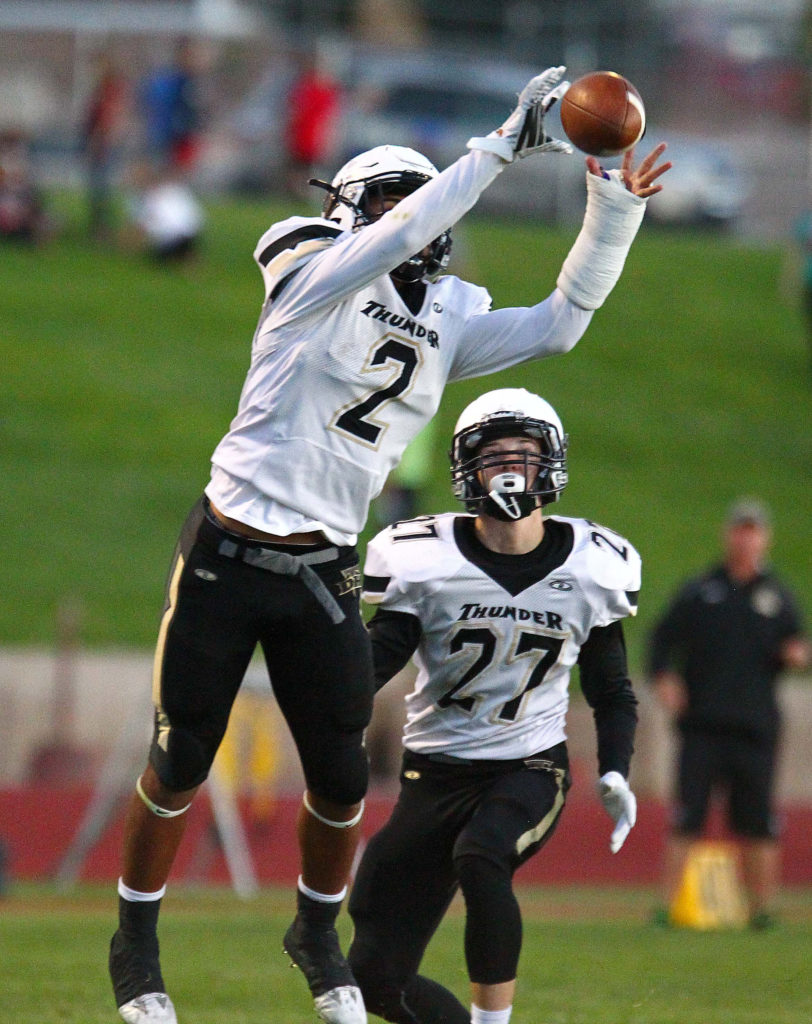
(184, 762)
(484, 850)
(476, 872)
(339, 771)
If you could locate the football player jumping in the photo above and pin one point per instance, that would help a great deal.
(357, 337)
(496, 608)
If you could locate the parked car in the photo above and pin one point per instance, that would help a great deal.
(436, 106)
(707, 186)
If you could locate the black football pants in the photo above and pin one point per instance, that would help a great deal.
(224, 596)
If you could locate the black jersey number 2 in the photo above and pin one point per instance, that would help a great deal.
(358, 419)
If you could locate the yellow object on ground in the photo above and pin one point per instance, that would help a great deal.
(710, 895)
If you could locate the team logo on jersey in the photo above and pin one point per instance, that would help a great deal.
(767, 602)
(411, 774)
(560, 585)
(550, 620)
(204, 574)
(377, 311)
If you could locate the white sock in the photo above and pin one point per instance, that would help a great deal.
(134, 896)
(321, 897)
(490, 1016)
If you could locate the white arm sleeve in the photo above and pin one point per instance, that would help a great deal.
(357, 258)
(504, 337)
(594, 264)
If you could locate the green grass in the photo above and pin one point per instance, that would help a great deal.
(588, 958)
(690, 387)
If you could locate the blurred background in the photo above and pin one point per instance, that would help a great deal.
(145, 146)
(724, 81)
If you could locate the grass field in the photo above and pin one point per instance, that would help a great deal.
(588, 958)
(690, 387)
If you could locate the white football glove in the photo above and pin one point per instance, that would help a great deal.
(621, 806)
(523, 132)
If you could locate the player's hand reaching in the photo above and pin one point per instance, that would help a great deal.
(638, 180)
(523, 132)
(621, 806)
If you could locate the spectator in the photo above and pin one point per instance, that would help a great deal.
(313, 108)
(406, 484)
(170, 101)
(22, 215)
(714, 659)
(803, 243)
(165, 217)
(102, 133)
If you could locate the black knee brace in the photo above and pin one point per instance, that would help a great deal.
(338, 770)
(185, 762)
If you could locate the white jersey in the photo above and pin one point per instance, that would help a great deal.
(493, 666)
(343, 375)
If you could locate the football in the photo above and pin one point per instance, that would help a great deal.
(603, 114)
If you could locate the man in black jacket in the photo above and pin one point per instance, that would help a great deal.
(714, 660)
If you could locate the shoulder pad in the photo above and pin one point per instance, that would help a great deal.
(408, 553)
(473, 299)
(288, 235)
(611, 564)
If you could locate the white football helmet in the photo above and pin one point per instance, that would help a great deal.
(394, 172)
(508, 412)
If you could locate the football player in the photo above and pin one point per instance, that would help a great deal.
(496, 607)
(358, 334)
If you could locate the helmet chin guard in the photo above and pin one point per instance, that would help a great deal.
(510, 495)
(385, 172)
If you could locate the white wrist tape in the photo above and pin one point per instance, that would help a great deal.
(333, 824)
(160, 812)
(594, 263)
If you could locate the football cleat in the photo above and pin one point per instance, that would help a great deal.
(317, 954)
(138, 986)
(342, 1005)
(152, 1008)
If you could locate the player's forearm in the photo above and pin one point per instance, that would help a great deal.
(608, 689)
(616, 725)
(595, 262)
(355, 260)
(433, 208)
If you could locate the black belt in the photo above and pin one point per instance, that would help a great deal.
(545, 760)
